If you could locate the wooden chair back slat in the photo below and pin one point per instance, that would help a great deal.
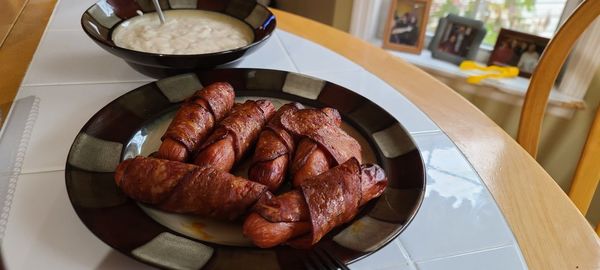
(587, 174)
(547, 70)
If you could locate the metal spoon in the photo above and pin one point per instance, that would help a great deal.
(161, 16)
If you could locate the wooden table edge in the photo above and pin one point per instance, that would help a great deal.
(551, 232)
(18, 48)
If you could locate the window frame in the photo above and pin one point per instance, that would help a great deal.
(365, 22)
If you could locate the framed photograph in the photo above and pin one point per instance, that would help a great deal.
(405, 25)
(457, 39)
(519, 50)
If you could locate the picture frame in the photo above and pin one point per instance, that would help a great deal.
(406, 25)
(457, 39)
(518, 49)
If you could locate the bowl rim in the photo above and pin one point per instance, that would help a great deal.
(271, 17)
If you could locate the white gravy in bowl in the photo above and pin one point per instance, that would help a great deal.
(184, 32)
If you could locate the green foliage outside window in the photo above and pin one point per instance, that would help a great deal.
(538, 17)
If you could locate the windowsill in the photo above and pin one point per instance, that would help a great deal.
(510, 86)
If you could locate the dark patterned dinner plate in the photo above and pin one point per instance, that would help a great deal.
(133, 124)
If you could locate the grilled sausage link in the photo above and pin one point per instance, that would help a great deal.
(273, 151)
(234, 134)
(301, 217)
(194, 120)
(310, 159)
(186, 188)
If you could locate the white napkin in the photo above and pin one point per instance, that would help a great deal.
(14, 139)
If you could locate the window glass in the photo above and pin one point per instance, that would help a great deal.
(538, 17)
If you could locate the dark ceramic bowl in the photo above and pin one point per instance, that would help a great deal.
(100, 20)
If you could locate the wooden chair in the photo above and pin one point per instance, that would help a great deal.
(587, 174)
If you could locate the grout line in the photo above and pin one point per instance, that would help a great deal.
(426, 132)
(412, 265)
(353, 67)
(32, 172)
(287, 53)
(467, 253)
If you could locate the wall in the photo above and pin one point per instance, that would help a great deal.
(561, 140)
(343, 14)
(336, 13)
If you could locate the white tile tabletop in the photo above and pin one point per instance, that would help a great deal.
(71, 57)
(67, 14)
(366, 84)
(271, 55)
(458, 214)
(45, 233)
(64, 109)
(501, 258)
(459, 225)
(308, 56)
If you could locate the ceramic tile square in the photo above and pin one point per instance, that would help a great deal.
(271, 55)
(95, 155)
(303, 86)
(67, 57)
(392, 256)
(389, 142)
(257, 17)
(68, 14)
(179, 87)
(43, 231)
(183, 4)
(309, 56)
(458, 214)
(57, 125)
(174, 252)
(378, 91)
(495, 259)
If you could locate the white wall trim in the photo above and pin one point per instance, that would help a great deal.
(361, 24)
(570, 6)
(583, 63)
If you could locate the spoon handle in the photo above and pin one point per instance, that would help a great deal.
(161, 16)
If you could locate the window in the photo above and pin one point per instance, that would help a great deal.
(538, 17)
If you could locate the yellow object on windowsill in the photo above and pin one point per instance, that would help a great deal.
(492, 71)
